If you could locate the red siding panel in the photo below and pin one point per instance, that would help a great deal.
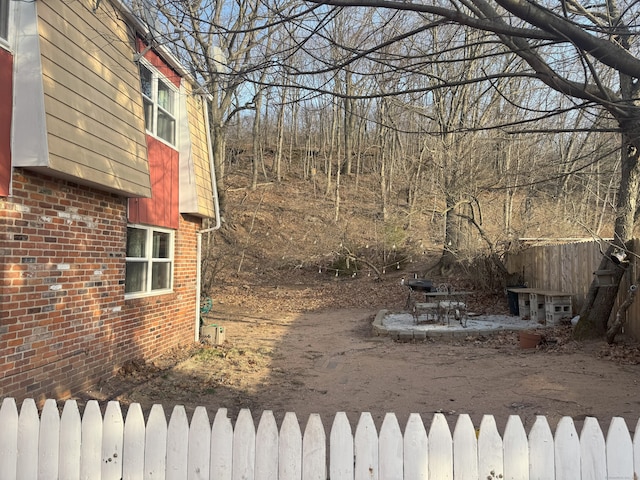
(161, 209)
(160, 64)
(6, 102)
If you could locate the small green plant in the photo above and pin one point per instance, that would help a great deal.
(208, 353)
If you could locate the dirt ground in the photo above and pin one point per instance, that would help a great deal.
(308, 348)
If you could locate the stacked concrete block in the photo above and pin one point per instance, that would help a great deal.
(536, 304)
(557, 307)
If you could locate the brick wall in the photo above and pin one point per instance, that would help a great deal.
(64, 322)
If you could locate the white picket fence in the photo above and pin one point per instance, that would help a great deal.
(71, 446)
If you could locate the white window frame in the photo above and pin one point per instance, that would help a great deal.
(148, 260)
(5, 22)
(156, 79)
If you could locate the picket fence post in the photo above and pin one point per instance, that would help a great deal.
(155, 445)
(221, 446)
(267, 447)
(415, 449)
(70, 441)
(465, 449)
(341, 449)
(366, 448)
(8, 439)
(134, 444)
(92, 445)
(541, 451)
(440, 448)
(314, 450)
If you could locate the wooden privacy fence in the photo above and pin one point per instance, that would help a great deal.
(93, 446)
(570, 267)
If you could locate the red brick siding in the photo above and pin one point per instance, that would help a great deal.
(64, 323)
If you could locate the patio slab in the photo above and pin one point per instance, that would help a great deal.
(402, 326)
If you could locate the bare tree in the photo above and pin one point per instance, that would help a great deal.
(582, 52)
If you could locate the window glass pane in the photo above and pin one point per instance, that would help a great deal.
(166, 127)
(161, 245)
(165, 96)
(146, 79)
(4, 19)
(135, 277)
(136, 240)
(160, 275)
(148, 114)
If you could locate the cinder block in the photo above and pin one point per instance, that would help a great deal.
(405, 336)
(419, 335)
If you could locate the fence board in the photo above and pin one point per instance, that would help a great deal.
(593, 460)
(244, 447)
(314, 450)
(390, 448)
(8, 439)
(221, 446)
(199, 446)
(28, 433)
(91, 446)
(490, 457)
(619, 451)
(465, 449)
(567, 450)
(267, 447)
(155, 441)
(177, 444)
(541, 451)
(133, 445)
(341, 452)
(70, 441)
(440, 449)
(112, 437)
(366, 449)
(290, 448)
(49, 441)
(416, 449)
(636, 451)
(515, 450)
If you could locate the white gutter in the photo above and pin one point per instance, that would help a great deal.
(216, 206)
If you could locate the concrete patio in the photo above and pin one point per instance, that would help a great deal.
(402, 326)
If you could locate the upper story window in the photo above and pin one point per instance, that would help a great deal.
(4, 20)
(160, 104)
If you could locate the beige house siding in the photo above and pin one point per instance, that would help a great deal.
(92, 101)
(196, 192)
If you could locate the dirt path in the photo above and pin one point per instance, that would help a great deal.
(328, 361)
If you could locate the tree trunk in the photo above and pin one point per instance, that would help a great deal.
(257, 144)
(598, 305)
(280, 138)
(451, 234)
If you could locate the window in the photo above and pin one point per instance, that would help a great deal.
(160, 104)
(149, 267)
(4, 20)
